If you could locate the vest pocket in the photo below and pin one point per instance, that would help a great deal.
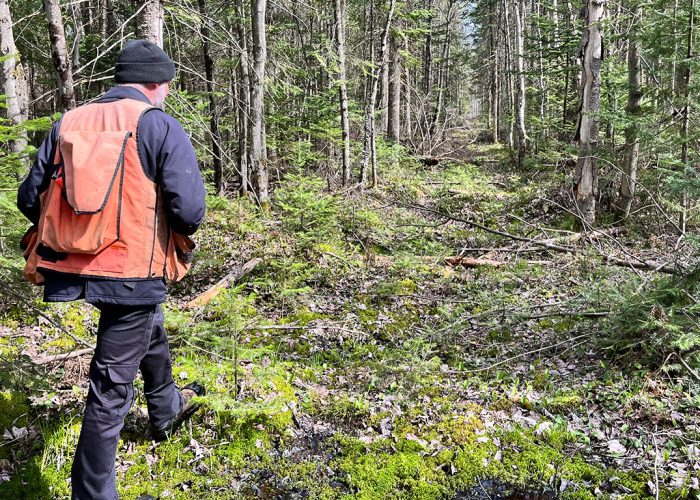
(179, 255)
(28, 244)
(84, 199)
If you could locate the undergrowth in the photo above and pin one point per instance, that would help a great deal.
(351, 362)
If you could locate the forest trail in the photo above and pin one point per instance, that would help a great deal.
(353, 360)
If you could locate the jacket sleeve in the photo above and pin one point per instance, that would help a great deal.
(169, 158)
(39, 177)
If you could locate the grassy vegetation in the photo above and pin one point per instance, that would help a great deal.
(353, 363)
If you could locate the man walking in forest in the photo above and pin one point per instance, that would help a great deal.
(113, 194)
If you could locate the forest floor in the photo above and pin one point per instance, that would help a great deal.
(355, 361)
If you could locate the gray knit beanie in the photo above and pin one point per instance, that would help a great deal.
(141, 61)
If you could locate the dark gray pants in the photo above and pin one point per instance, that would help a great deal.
(129, 339)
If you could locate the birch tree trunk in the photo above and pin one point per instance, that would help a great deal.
(60, 55)
(213, 116)
(634, 108)
(519, 11)
(13, 79)
(586, 176)
(257, 100)
(369, 152)
(150, 21)
(243, 101)
(339, 8)
(394, 122)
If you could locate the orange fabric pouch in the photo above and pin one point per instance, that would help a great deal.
(28, 245)
(85, 195)
(179, 256)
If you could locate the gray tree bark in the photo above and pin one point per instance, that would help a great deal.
(407, 116)
(685, 130)
(60, 55)
(150, 21)
(394, 114)
(425, 121)
(369, 152)
(13, 79)
(340, 32)
(213, 116)
(495, 76)
(258, 162)
(243, 102)
(509, 66)
(519, 12)
(442, 74)
(586, 175)
(634, 108)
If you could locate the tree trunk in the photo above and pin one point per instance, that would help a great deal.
(685, 131)
(343, 89)
(407, 118)
(60, 55)
(495, 76)
(384, 100)
(79, 33)
(510, 90)
(368, 125)
(568, 74)
(112, 25)
(541, 77)
(427, 78)
(442, 73)
(634, 108)
(586, 176)
(213, 116)
(370, 151)
(12, 79)
(394, 114)
(258, 163)
(519, 11)
(428, 51)
(150, 21)
(243, 101)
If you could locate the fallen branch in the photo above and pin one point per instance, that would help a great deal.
(469, 262)
(573, 314)
(518, 356)
(687, 367)
(640, 264)
(62, 357)
(205, 297)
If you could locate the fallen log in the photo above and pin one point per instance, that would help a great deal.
(470, 262)
(45, 360)
(205, 297)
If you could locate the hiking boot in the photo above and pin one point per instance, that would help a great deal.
(188, 408)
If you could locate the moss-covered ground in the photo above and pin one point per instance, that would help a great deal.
(353, 362)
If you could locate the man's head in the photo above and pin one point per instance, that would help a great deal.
(144, 65)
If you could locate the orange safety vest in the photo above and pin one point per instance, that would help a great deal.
(101, 216)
